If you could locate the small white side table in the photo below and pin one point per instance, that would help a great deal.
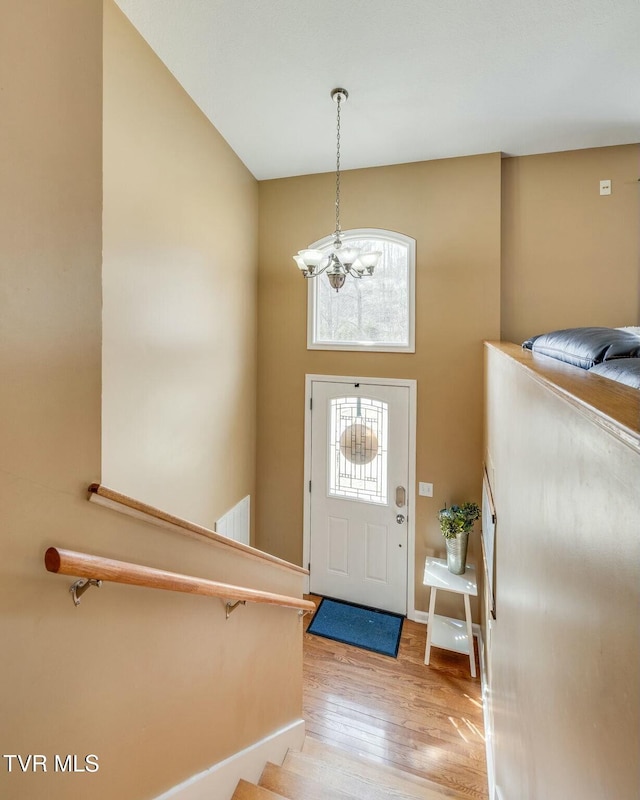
(446, 632)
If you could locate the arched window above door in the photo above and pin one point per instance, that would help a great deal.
(374, 313)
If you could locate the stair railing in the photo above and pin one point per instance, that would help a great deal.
(92, 570)
(136, 508)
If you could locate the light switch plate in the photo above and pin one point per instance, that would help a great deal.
(425, 489)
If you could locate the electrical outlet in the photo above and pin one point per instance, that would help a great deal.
(605, 187)
(425, 489)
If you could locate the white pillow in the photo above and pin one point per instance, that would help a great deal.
(631, 329)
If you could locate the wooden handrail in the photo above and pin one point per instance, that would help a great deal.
(83, 565)
(127, 505)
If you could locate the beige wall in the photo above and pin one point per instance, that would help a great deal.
(179, 283)
(452, 209)
(157, 684)
(133, 675)
(569, 256)
(565, 676)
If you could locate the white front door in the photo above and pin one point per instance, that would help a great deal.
(359, 493)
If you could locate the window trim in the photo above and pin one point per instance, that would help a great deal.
(347, 236)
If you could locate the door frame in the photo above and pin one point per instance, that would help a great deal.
(410, 384)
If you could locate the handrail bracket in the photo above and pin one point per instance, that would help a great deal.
(78, 588)
(231, 607)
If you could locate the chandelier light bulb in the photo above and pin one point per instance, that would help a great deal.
(347, 255)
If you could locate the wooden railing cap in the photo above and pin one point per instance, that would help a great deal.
(123, 503)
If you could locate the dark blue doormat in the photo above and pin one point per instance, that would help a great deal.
(367, 628)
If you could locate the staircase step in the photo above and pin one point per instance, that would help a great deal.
(360, 776)
(299, 787)
(249, 791)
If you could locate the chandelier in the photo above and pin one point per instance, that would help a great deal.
(340, 261)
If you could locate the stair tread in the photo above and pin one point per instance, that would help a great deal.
(299, 787)
(362, 777)
(250, 791)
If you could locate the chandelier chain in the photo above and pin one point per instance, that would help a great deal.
(338, 171)
(337, 262)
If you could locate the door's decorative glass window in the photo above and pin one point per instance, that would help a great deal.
(358, 443)
(372, 313)
(358, 433)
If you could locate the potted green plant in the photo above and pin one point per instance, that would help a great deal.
(456, 522)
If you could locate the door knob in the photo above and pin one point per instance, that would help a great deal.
(399, 518)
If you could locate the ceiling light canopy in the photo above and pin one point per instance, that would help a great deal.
(340, 261)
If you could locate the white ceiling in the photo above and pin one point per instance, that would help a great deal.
(427, 78)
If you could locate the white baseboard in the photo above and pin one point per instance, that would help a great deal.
(488, 731)
(221, 779)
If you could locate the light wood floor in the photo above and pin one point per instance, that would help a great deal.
(426, 720)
